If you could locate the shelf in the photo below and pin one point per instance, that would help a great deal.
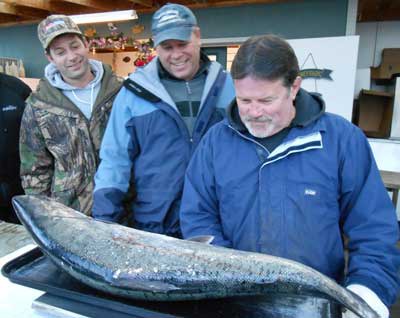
(114, 50)
(389, 67)
(377, 93)
(374, 113)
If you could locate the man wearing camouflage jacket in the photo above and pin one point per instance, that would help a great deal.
(64, 120)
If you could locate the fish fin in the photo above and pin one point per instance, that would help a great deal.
(206, 239)
(125, 280)
(105, 221)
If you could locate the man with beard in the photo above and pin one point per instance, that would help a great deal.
(281, 176)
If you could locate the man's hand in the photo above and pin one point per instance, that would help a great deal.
(349, 314)
(370, 298)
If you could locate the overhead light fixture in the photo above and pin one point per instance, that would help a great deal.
(104, 17)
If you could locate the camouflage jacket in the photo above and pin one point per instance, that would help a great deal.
(59, 146)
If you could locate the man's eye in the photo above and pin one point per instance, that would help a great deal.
(266, 101)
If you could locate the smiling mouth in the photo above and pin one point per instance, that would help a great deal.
(179, 64)
(76, 65)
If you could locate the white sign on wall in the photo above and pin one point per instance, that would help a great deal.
(329, 66)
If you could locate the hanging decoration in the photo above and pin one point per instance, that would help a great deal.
(145, 55)
(137, 28)
(116, 40)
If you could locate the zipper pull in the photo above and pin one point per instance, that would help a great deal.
(188, 88)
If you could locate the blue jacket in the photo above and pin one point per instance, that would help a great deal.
(296, 201)
(147, 138)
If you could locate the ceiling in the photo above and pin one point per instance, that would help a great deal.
(13, 12)
(378, 10)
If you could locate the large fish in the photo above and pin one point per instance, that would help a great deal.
(141, 265)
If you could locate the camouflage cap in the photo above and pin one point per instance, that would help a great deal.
(55, 25)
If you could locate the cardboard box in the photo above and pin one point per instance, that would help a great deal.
(373, 113)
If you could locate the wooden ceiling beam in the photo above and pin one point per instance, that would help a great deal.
(378, 10)
(52, 7)
(36, 4)
(9, 9)
(145, 3)
(103, 5)
(233, 3)
(9, 20)
(216, 4)
(32, 13)
(382, 15)
(70, 8)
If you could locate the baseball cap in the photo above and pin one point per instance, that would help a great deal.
(55, 25)
(172, 22)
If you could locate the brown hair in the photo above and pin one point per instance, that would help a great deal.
(267, 57)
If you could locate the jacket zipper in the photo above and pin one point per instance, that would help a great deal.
(189, 94)
(247, 138)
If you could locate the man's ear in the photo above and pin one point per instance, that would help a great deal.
(295, 87)
(85, 43)
(48, 56)
(197, 33)
(196, 30)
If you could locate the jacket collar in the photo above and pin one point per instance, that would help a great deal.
(48, 94)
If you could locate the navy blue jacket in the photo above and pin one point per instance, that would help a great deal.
(296, 201)
(146, 137)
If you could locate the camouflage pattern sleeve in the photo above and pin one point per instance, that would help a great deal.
(36, 161)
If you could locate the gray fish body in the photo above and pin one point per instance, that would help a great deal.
(141, 265)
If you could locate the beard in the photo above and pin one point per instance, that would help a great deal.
(260, 127)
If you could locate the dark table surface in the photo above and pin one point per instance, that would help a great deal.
(34, 270)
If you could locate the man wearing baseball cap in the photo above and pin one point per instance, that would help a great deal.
(64, 120)
(158, 119)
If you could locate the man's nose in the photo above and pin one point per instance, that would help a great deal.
(176, 52)
(255, 110)
(71, 55)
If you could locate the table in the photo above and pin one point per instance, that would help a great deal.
(391, 180)
(12, 237)
(17, 301)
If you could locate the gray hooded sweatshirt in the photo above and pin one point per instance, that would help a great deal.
(84, 98)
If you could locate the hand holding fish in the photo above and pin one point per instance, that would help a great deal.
(370, 298)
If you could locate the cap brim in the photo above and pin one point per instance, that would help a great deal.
(58, 33)
(178, 33)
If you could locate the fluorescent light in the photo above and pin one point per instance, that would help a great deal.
(104, 17)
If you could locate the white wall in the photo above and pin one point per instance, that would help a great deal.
(374, 36)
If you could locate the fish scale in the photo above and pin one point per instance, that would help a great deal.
(147, 266)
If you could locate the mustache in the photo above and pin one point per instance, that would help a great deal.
(261, 119)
